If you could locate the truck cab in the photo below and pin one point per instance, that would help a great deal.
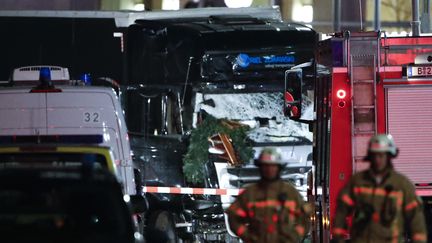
(226, 67)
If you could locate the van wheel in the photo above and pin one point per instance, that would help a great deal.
(161, 228)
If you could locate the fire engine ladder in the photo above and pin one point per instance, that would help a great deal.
(363, 65)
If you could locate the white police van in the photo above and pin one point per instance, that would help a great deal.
(35, 104)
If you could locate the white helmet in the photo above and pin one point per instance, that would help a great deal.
(270, 156)
(383, 143)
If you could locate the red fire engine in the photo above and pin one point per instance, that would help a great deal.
(367, 83)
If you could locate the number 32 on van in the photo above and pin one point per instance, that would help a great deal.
(91, 117)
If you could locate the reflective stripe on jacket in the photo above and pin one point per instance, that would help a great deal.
(269, 212)
(379, 212)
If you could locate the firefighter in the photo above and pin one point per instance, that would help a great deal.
(270, 211)
(381, 203)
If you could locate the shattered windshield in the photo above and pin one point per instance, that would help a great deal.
(260, 111)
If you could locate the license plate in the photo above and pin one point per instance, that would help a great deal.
(421, 71)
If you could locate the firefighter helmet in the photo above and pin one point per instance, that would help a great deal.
(270, 156)
(383, 143)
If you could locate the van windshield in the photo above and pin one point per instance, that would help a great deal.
(52, 159)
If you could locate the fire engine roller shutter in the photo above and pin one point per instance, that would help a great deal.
(409, 116)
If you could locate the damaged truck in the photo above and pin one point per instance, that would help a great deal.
(191, 76)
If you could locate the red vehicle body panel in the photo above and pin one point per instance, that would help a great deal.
(396, 54)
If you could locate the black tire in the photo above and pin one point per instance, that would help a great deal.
(161, 228)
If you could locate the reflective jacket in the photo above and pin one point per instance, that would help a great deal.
(380, 212)
(269, 213)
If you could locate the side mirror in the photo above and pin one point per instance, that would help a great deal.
(138, 204)
(293, 93)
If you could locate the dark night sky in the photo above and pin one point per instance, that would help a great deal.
(82, 45)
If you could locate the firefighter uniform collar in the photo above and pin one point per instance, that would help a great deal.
(370, 176)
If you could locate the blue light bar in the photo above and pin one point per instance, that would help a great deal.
(45, 82)
(86, 78)
(45, 74)
(47, 139)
